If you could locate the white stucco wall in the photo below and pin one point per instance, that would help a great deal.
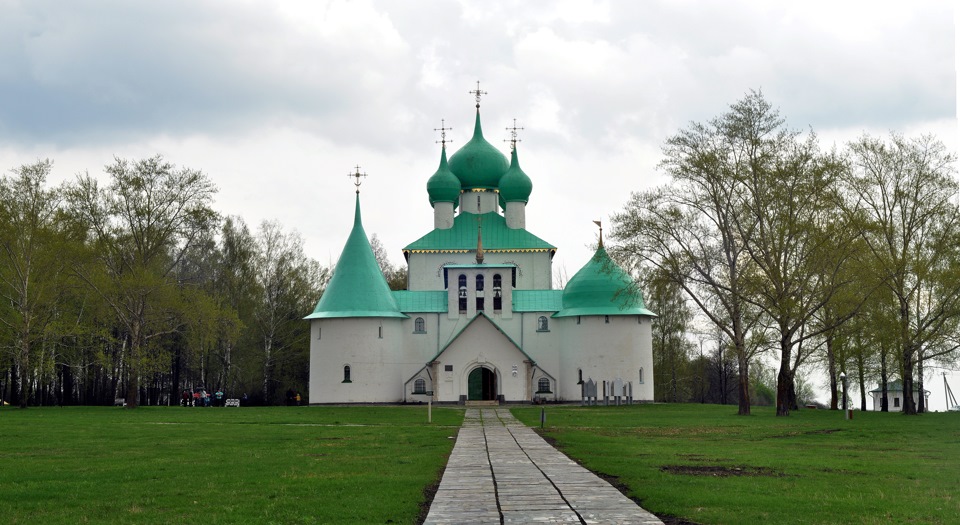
(605, 352)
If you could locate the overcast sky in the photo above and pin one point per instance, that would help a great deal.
(277, 101)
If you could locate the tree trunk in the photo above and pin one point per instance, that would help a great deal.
(884, 405)
(921, 402)
(784, 379)
(832, 371)
(133, 367)
(743, 384)
(909, 407)
(24, 372)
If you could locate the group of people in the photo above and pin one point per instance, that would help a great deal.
(293, 398)
(201, 398)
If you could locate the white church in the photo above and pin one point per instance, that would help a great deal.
(479, 320)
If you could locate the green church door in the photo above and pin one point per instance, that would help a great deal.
(482, 385)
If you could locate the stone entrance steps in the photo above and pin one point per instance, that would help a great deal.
(490, 403)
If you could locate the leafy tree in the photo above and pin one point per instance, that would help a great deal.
(906, 191)
(692, 230)
(796, 245)
(141, 225)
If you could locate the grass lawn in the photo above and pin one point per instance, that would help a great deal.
(705, 464)
(220, 465)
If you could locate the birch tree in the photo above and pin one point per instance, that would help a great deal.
(34, 256)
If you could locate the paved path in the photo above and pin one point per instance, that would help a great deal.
(500, 471)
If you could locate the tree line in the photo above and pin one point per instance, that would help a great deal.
(764, 243)
(136, 288)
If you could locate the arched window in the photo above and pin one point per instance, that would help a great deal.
(641, 375)
(543, 325)
(479, 282)
(420, 386)
(543, 386)
(346, 374)
(419, 326)
(462, 292)
(606, 319)
(579, 376)
(497, 293)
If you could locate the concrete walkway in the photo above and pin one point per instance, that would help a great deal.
(500, 471)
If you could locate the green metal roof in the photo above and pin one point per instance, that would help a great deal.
(462, 237)
(478, 164)
(421, 301)
(602, 287)
(537, 300)
(357, 288)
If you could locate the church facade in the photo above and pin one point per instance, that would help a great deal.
(479, 319)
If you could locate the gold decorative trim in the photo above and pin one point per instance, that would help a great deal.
(502, 250)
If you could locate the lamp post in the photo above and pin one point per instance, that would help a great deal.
(843, 379)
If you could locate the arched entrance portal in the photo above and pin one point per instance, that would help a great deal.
(482, 385)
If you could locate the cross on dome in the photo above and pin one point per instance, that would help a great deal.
(477, 93)
(443, 133)
(356, 175)
(513, 135)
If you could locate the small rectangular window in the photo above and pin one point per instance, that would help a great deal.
(448, 368)
(380, 332)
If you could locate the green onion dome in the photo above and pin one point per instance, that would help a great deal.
(515, 186)
(443, 186)
(478, 164)
(602, 287)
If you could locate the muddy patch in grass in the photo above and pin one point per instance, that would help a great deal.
(719, 471)
(823, 431)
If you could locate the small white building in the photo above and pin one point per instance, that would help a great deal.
(895, 396)
(479, 319)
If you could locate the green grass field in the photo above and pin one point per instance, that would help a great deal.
(220, 465)
(371, 464)
(705, 464)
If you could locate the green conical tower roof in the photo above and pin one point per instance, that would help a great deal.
(478, 164)
(357, 288)
(602, 287)
(443, 186)
(515, 185)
